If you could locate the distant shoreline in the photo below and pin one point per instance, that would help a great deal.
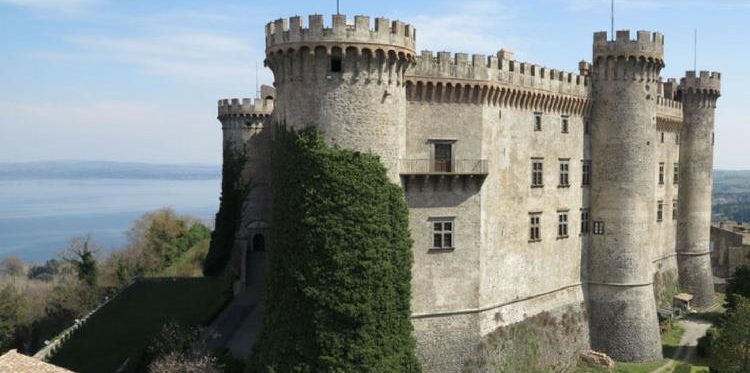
(107, 170)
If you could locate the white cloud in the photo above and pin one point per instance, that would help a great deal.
(186, 55)
(469, 26)
(63, 7)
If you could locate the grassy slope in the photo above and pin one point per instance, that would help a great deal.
(122, 328)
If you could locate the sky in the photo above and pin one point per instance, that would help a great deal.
(138, 80)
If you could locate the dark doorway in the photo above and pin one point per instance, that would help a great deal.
(259, 243)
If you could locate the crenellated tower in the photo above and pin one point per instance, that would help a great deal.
(347, 80)
(246, 132)
(698, 95)
(622, 309)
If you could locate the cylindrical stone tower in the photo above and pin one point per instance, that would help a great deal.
(699, 95)
(623, 317)
(246, 135)
(346, 80)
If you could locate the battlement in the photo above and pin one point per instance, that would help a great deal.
(501, 68)
(646, 45)
(706, 82)
(245, 107)
(292, 31)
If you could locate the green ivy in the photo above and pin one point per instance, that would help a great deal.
(338, 296)
(233, 195)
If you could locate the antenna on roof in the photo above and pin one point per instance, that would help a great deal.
(337, 7)
(695, 50)
(612, 13)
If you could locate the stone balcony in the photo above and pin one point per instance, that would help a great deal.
(429, 167)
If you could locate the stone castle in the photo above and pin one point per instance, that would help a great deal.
(529, 189)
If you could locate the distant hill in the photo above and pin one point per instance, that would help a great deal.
(731, 195)
(106, 170)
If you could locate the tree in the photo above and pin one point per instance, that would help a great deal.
(13, 316)
(738, 285)
(13, 265)
(339, 281)
(730, 352)
(81, 254)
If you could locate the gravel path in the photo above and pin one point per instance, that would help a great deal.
(694, 329)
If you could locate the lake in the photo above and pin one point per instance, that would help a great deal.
(38, 217)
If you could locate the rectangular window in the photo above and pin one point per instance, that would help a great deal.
(662, 137)
(674, 209)
(443, 157)
(585, 173)
(442, 233)
(562, 224)
(599, 227)
(661, 173)
(564, 173)
(564, 125)
(660, 211)
(585, 221)
(677, 139)
(676, 173)
(587, 127)
(535, 223)
(537, 172)
(537, 122)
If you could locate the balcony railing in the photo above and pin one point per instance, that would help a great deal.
(477, 167)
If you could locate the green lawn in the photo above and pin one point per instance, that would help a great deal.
(622, 367)
(121, 329)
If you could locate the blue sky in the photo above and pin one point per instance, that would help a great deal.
(137, 80)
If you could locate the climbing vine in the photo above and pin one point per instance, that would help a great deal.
(234, 191)
(338, 297)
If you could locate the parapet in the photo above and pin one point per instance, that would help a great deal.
(706, 82)
(497, 69)
(260, 107)
(646, 45)
(282, 32)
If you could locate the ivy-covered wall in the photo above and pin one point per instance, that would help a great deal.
(544, 343)
(234, 191)
(338, 295)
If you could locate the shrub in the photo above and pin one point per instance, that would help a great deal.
(340, 264)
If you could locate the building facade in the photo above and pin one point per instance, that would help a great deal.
(529, 189)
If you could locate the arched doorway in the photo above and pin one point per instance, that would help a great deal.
(259, 242)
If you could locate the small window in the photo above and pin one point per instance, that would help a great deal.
(676, 173)
(659, 211)
(335, 64)
(586, 173)
(564, 173)
(535, 222)
(713, 137)
(537, 172)
(442, 233)
(562, 224)
(564, 125)
(599, 227)
(537, 122)
(585, 221)
(677, 138)
(674, 209)
(661, 173)
(587, 127)
(662, 137)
